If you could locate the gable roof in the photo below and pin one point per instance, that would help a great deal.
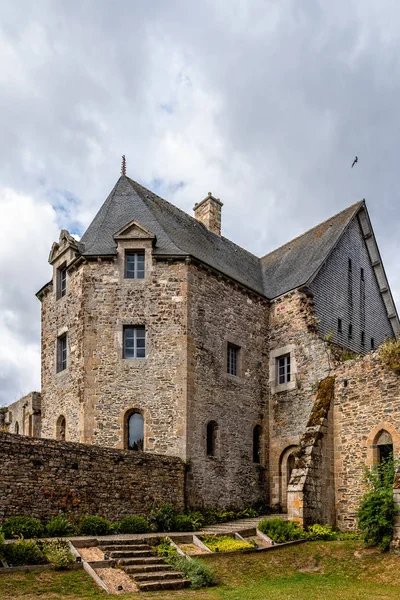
(294, 264)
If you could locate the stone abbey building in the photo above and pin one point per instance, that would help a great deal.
(262, 374)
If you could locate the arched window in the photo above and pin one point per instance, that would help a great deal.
(384, 444)
(212, 434)
(61, 427)
(257, 433)
(16, 427)
(135, 431)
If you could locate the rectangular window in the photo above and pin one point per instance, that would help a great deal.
(363, 338)
(283, 363)
(350, 265)
(339, 326)
(134, 264)
(232, 366)
(62, 353)
(134, 342)
(372, 344)
(61, 282)
(350, 331)
(362, 274)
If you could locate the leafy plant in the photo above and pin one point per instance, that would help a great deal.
(197, 519)
(183, 523)
(23, 552)
(27, 527)
(2, 544)
(281, 531)
(321, 532)
(134, 524)
(199, 574)
(377, 509)
(57, 553)
(165, 549)
(59, 526)
(225, 543)
(91, 525)
(162, 517)
(390, 354)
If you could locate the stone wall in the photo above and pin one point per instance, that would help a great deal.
(39, 478)
(24, 415)
(220, 312)
(293, 329)
(367, 402)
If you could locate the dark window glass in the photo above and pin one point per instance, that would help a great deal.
(212, 432)
(135, 432)
(134, 342)
(134, 265)
(350, 331)
(350, 265)
(362, 274)
(283, 369)
(61, 353)
(232, 359)
(372, 344)
(339, 326)
(257, 432)
(61, 428)
(61, 281)
(363, 338)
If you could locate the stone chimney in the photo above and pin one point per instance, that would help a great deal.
(208, 212)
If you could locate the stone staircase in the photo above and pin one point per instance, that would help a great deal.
(149, 572)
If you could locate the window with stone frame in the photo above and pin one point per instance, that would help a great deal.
(62, 353)
(61, 282)
(134, 342)
(283, 369)
(232, 359)
(212, 438)
(134, 264)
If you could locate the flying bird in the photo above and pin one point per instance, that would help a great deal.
(354, 161)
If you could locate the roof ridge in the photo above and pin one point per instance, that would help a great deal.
(356, 204)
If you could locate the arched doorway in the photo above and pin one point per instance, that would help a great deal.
(135, 431)
(286, 466)
(384, 446)
(61, 428)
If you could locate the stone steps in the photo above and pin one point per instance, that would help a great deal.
(125, 548)
(118, 554)
(143, 560)
(153, 568)
(159, 576)
(169, 584)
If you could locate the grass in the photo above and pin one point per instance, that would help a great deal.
(312, 571)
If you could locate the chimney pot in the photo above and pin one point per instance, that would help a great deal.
(208, 212)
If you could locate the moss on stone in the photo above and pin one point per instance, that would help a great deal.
(323, 401)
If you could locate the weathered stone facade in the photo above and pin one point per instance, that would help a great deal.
(24, 415)
(39, 478)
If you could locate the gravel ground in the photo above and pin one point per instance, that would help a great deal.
(115, 577)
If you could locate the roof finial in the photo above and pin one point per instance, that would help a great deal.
(123, 165)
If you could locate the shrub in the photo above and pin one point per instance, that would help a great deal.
(224, 543)
(377, 509)
(390, 354)
(2, 545)
(94, 526)
(59, 526)
(197, 572)
(162, 517)
(165, 549)
(57, 553)
(321, 532)
(183, 523)
(134, 524)
(197, 519)
(27, 527)
(23, 552)
(281, 531)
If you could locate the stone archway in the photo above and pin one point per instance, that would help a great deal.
(286, 466)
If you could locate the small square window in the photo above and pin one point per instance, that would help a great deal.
(61, 283)
(134, 264)
(62, 353)
(283, 369)
(134, 342)
(339, 326)
(232, 363)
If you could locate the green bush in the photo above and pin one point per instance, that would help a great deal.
(2, 544)
(23, 552)
(59, 526)
(57, 553)
(134, 524)
(321, 532)
(377, 509)
(27, 527)
(281, 531)
(197, 519)
(225, 543)
(199, 574)
(163, 517)
(183, 523)
(94, 526)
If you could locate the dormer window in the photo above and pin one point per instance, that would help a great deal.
(61, 283)
(134, 264)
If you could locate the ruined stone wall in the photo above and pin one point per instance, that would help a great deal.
(24, 415)
(293, 329)
(221, 312)
(367, 401)
(39, 478)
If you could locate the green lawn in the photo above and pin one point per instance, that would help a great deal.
(313, 571)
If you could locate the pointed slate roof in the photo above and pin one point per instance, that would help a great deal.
(294, 264)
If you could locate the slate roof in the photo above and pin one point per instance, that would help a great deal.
(179, 234)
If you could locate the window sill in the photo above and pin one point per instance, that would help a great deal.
(134, 362)
(283, 387)
(236, 379)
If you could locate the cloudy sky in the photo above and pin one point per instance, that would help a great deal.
(265, 103)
